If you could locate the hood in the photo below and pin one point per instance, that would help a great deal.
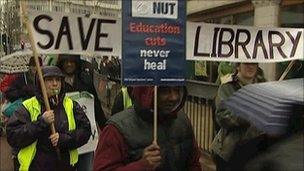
(64, 57)
(143, 100)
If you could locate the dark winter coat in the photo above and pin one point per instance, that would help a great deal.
(179, 150)
(83, 81)
(175, 138)
(21, 132)
(287, 154)
(234, 130)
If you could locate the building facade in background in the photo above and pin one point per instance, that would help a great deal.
(261, 13)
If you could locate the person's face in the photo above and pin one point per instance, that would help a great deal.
(52, 85)
(247, 70)
(168, 98)
(69, 66)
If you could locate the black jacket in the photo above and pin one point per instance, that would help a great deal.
(21, 132)
(83, 81)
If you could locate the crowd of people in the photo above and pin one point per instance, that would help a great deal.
(126, 137)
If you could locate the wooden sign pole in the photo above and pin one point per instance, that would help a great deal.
(155, 116)
(287, 70)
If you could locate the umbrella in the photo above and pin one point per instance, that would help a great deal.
(16, 62)
(269, 105)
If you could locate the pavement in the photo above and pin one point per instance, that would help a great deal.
(6, 162)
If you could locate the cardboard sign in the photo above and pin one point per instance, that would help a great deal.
(69, 33)
(214, 42)
(86, 101)
(153, 42)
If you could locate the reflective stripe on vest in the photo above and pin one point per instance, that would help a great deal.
(127, 102)
(27, 154)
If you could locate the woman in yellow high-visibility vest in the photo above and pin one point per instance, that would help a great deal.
(28, 128)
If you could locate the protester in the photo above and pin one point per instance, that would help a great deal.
(238, 140)
(226, 69)
(122, 100)
(28, 128)
(103, 65)
(23, 85)
(20, 88)
(126, 141)
(223, 70)
(112, 69)
(79, 78)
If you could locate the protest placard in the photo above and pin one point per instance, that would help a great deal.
(154, 39)
(86, 101)
(215, 42)
(56, 32)
(153, 42)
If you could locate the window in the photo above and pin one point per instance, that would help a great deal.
(292, 16)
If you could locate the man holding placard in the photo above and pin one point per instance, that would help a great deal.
(237, 140)
(126, 141)
(155, 133)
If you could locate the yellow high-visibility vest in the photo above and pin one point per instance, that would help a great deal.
(27, 154)
(127, 101)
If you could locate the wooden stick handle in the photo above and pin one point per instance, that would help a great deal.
(155, 116)
(287, 70)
